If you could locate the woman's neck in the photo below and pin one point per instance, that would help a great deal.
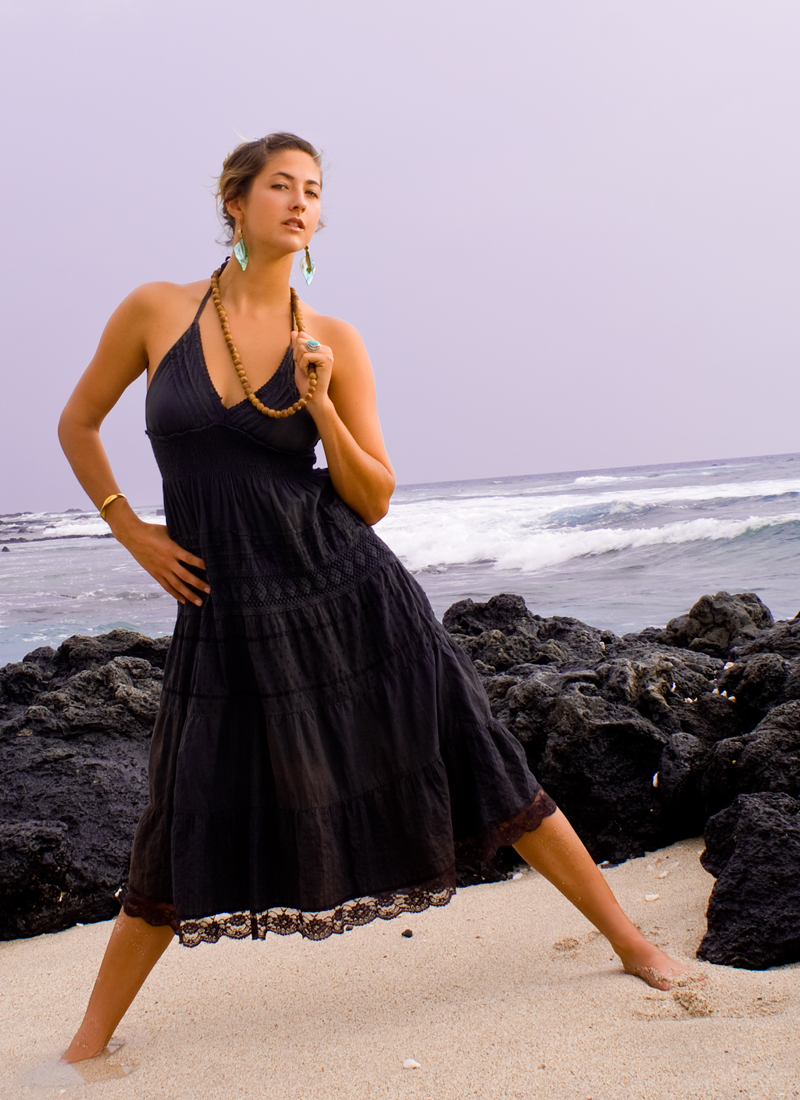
(263, 286)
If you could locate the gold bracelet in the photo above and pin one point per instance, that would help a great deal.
(107, 501)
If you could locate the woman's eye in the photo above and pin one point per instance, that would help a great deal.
(279, 186)
(313, 194)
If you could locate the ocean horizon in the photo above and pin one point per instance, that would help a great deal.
(621, 549)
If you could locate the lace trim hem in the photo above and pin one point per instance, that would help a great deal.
(284, 922)
(157, 913)
(480, 848)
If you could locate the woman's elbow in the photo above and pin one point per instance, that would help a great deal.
(74, 427)
(68, 426)
(376, 509)
(64, 426)
(371, 516)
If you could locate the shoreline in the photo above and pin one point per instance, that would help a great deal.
(506, 993)
(622, 548)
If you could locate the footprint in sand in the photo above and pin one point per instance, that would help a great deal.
(689, 998)
(695, 999)
(570, 944)
(566, 946)
(54, 1073)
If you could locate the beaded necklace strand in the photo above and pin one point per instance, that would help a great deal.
(297, 317)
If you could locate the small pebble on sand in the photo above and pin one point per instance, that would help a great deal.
(411, 1063)
(651, 897)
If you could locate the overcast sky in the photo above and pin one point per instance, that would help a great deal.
(568, 230)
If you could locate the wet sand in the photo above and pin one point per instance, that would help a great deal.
(505, 993)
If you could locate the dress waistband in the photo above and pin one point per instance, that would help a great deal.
(218, 449)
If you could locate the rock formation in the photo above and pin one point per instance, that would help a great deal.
(640, 739)
(753, 850)
(633, 736)
(74, 731)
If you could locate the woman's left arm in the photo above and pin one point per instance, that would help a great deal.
(344, 410)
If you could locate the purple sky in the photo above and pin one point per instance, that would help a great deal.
(568, 231)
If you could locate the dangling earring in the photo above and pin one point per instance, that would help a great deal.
(307, 266)
(240, 249)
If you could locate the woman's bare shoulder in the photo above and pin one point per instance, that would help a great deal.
(330, 330)
(160, 299)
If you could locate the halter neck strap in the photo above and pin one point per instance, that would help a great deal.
(207, 294)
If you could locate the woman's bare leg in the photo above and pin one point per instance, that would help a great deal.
(556, 851)
(133, 950)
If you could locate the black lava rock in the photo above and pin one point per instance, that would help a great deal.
(680, 784)
(622, 731)
(716, 623)
(782, 638)
(753, 850)
(598, 765)
(502, 634)
(74, 739)
(767, 759)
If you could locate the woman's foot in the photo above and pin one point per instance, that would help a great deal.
(556, 851)
(84, 1047)
(656, 967)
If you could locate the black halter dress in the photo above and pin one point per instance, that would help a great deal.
(322, 750)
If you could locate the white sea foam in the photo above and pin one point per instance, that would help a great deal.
(35, 526)
(600, 479)
(507, 539)
(532, 530)
(547, 548)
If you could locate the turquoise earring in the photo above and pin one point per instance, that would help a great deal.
(307, 266)
(240, 250)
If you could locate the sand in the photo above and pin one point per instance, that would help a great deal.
(505, 993)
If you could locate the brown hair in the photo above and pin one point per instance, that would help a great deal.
(241, 167)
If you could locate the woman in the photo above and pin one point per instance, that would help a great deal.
(322, 748)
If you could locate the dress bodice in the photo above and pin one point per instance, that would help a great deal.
(182, 398)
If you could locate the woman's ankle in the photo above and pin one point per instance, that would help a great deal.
(83, 1047)
(631, 943)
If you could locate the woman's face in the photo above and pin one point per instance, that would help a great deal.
(282, 208)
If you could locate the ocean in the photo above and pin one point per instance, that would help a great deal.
(621, 549)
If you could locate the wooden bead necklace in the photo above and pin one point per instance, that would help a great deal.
(297, 318)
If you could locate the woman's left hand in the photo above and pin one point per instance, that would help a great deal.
(321, 359)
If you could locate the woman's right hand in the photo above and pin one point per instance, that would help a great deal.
(155, 551)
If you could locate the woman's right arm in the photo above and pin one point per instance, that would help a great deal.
(120, 359)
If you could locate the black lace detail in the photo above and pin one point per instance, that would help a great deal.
(157, 913)
(284, 922)
(480, 848)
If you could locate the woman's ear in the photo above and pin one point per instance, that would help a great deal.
(234, 208)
